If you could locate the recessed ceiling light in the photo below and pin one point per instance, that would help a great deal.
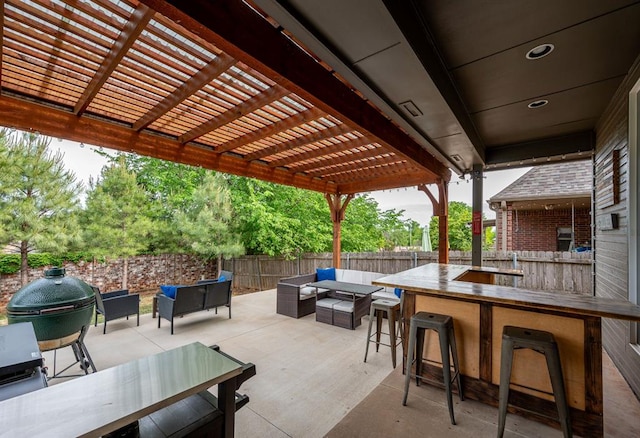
(540, 51)
(538, 103)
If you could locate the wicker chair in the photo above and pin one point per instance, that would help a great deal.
(116, 304)
(289, 300)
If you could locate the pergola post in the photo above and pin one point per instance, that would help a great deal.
(337, 206)
(441, 209)
(476, 221)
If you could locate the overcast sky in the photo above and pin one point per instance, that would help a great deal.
(84, 162)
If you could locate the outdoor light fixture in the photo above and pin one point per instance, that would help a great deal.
(538, 103)
(540, 51)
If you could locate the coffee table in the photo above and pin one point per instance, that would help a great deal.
(359, 294)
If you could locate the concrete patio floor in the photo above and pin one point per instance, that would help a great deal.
(312, 382)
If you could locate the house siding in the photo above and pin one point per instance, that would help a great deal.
(536, 230)
(611, 246)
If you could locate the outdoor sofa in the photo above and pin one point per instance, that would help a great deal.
(181, 300)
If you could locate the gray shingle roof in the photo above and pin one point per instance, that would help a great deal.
(562, 180)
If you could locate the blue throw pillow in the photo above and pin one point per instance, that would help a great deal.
(222, 278)
(326, 274)
(397, 291)
(169, 290)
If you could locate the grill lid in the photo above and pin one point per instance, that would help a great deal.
(54, 291)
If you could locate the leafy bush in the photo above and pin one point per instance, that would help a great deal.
(10, 263)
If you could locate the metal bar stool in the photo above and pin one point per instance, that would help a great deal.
(543, 342)
(443, 325)
(377, 312)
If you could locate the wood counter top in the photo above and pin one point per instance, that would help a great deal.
(440, 280)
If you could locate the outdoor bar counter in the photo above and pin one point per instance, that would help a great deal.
(481, 309)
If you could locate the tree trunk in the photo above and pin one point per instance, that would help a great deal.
(125, 272)
(24, 263)
(219, 264)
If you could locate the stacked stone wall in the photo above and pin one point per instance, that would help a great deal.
(144, 273)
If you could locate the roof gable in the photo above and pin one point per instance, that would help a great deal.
(552, 181)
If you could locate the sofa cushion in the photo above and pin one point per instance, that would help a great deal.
(344, 306)
(327, 303)
(326, 274)
(169, 290)
(222, 278)
(307, 290)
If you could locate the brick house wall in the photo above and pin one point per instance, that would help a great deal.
(536, 230)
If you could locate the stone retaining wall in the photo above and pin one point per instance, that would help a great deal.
(144, 272)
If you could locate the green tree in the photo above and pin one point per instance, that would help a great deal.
(393, 228)
(38, 197)
(460, 216)
(361, 228)
(459, 228)
(206, 224)
(489, 239)
(117, 219)
(280, 220)
(170, 187)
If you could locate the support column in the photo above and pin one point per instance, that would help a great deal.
(441, 209)
(337, 206)
(476, 222)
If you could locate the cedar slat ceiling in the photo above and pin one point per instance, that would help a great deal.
(116, 73)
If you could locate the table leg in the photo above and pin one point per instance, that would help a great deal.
(155, 306)
(227, 404)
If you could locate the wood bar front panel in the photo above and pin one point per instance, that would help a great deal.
(529, 373)
(466, 321)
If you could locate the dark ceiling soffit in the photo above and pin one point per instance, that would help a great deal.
(547, 147)
(293, 12)
(409, 19)
(240, 32)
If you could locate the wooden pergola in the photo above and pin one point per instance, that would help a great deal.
(230, 92)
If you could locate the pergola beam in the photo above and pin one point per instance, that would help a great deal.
(58, 123)
(356, 161)
(133, 28)
(360, 164)
(246, 36)
(271, 130)
(248, 106)
(210, 71)
(303, 140)
(320, 152)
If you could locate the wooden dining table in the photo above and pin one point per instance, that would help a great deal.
(481, 309)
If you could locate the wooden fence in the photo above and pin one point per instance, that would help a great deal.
(565, 272)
